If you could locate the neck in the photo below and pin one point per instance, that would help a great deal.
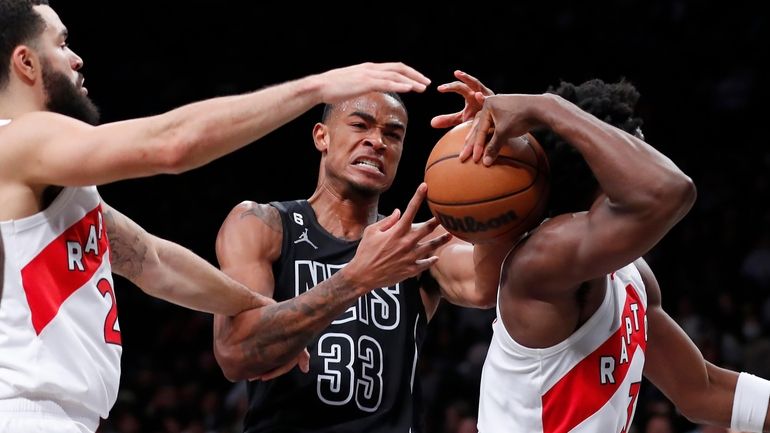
(343, 217)
(15, 102)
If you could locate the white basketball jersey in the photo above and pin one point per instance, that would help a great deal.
(60, 342)
(587, 383)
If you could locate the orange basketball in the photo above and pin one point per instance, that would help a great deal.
(478, 203)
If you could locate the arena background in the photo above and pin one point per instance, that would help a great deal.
(697, 64)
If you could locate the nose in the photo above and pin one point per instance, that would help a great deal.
(375, 140)
(76, 62)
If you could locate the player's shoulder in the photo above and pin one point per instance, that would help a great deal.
(35, 127)
(251, 215)
(537, 256)
(250, 230)
(40, 122)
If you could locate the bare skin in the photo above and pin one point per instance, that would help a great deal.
(371, 128)
(642, 196)
(43, 150)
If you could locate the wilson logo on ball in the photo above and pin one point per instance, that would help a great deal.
(477, 203)
(470, 224)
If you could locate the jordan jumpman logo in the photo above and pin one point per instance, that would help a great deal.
(303, 238)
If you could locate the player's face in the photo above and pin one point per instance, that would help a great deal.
(365, 140)
(62, 81)
(54, 49)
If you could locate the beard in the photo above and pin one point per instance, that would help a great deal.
(65, 98)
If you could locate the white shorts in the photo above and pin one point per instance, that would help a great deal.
(27, 416)
(30, 423)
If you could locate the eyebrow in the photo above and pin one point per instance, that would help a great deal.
(369, 118)
(64, 33)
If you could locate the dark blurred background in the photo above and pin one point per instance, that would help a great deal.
(700, 67)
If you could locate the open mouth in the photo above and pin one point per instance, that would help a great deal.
(370, 164)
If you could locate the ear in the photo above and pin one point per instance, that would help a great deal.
(321, 137)
(25, 63)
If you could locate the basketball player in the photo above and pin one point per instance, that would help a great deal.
(579, 311)
(60, 342)
(363, 330)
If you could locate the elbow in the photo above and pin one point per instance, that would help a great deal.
(174, 154)
(681, 194)
(695, 414)
(231, 363)
(689, 193)
(671, 200)
(175, 150)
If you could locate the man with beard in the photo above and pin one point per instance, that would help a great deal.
(60, 343)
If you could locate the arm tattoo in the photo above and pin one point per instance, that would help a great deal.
(268, 214)
(286, 328)
(127, 250)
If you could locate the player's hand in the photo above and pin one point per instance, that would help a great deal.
(345, 83)
(302, 361)
(501, 118)
(393, 249)
(472, 90)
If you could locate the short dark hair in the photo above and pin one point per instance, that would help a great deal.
(18, 24)
(573, 185)
(328, 108)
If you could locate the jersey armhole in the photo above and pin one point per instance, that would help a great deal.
(283, 212)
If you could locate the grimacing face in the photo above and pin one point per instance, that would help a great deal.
(362, 141)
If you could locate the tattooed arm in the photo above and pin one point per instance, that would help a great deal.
(171, 272)
(259, 340)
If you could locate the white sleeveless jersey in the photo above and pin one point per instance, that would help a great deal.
(587, 383)
(60, 342)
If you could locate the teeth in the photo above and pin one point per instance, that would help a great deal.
(368, 163)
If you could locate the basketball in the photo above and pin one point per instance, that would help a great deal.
(478, 203)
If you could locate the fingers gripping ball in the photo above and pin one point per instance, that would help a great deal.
(478, 203)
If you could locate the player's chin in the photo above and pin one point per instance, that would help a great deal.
(369, 187)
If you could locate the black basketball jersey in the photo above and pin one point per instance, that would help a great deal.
(362, 374)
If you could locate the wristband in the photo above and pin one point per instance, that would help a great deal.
(752, 396)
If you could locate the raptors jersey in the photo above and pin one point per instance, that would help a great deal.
(362, 367)
(59, 337)
(587, 383)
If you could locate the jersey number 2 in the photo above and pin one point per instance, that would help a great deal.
(111, 335)
(339, 381)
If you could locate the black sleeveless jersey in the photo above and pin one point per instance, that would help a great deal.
(362, 374)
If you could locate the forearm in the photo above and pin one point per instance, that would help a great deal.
(203, 131)
(175, 274)
(488, 261)
(631, 172)
(468, 275)
(715, 404)
(258, 341)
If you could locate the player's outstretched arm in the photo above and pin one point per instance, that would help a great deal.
(171, 272)
(50, 149)
(255, 342)
(703, 392)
